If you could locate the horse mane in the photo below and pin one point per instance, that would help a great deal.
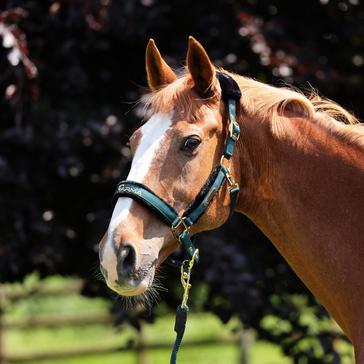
(258, 99)
(266, 99)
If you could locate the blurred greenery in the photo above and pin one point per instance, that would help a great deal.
(200, 326)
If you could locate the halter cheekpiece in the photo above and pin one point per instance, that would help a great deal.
(180, 225)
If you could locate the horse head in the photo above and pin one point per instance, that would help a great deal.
(173, 153)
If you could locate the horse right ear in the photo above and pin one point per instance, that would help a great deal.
(159, 74)
(201, 69)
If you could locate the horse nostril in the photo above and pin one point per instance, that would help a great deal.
(126, 261)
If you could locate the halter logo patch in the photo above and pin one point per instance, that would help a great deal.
(127, 189)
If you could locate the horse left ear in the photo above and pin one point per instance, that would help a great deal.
(201, 68)
(159, 74)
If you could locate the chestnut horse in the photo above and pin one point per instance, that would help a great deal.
(299, 165)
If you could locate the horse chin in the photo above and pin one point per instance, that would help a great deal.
(136, 291)
(135, 286)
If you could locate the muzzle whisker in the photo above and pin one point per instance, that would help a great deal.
(95, 271)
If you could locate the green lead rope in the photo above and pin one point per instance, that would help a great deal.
(182, 309)
(179, 328)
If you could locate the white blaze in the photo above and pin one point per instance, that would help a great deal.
(152, 135)
(152, 132)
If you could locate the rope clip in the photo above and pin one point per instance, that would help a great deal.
(186, 269)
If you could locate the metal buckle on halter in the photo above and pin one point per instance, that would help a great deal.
(232, 183)
(234, 131)
(230, 178)
(225, 162)
(181, 223)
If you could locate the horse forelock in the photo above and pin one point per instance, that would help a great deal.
(179, 97)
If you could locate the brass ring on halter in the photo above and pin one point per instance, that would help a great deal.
(180, 224)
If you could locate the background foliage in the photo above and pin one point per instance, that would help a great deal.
(70, 75)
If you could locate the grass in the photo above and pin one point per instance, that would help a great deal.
(200, 326)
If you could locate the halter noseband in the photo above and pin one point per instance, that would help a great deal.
(180, 225)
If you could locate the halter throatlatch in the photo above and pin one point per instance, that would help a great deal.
(180, 225)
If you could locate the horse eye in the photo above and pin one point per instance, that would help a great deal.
(191, 143)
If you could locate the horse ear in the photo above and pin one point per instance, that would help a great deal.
(159, 74)
(200, 67)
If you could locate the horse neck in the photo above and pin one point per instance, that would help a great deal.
(303, 189)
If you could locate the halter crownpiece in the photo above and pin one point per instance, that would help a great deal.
(180, 225)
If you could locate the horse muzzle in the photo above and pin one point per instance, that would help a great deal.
(121, 272)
